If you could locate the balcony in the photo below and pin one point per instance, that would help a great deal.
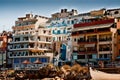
(88, 50)
(105, 39)
(22, 41)
(21, 47)
(104, 49)
(19, 35)
(26, 54)
(45, 41)
(23, 27)
(94, 40)
(74, 51)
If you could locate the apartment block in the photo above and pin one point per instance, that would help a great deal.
(96, 40)
(31, 42)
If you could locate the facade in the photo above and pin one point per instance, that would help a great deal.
(61, 28)
(31, 42)
(3, 48)
(95, 41)
(61, 31)
(113, 13)
(64, 13)
(5, 37)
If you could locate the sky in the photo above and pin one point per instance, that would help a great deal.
(10, 10)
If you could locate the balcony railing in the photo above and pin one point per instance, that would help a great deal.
(21, 54)
(23, 27)
(104, 49)
(88, 40)
(88, 51)
(107, 39)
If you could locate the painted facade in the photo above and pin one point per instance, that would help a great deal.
(3, 49)
(61, 28)
(95, 40)
(5, 37)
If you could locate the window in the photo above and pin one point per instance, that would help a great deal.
(75, 39)
(116, 12)
(72, 21)
(53, 38)
(63, 22)
(100, 56)
(64, 31)
(16, 60)
(105, 55)
(53, 31)
(59, 38)
(43, 59)
(81, 56)
(119, 51)
(58, 32)
(68, 22)
(44, 31)
(118, 31)
(89, 56)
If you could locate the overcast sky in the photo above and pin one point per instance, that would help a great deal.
(10, 10)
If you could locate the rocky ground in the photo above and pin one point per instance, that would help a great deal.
(51, 72)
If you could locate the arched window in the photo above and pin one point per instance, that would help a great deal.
(116, 12)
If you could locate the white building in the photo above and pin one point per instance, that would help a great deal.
(31, 42)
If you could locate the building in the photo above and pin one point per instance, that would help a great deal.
(61, 28)
(5, 37)
(113, 13)
(96, 40)
(61, 25)
(3, 48)
(31, 42)
(64, 13)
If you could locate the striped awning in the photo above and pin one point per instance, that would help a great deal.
(92, 27)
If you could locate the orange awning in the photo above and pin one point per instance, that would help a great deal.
(33, 50)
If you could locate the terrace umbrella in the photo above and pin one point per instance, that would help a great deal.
(37, 62)
(26, 62)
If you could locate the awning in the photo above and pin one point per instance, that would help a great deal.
(92, 60)
(103, 59)
(118, 57)
(89, 45)
(33, 50)
(92, 27)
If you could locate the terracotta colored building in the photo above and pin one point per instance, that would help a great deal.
(5, 37)
(96, 40)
